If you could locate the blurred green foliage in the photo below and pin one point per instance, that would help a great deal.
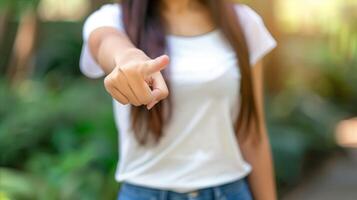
(319, 90)
(57, 143)
(18, 7)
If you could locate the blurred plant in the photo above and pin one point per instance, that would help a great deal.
(301, 129)
(18, 48)
(58, 54)
(318, 90)
(57, 143)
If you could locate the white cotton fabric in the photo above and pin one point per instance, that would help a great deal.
(199, 148)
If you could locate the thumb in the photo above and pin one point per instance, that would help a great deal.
(156, 65)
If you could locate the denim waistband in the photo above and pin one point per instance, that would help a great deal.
(205, 193)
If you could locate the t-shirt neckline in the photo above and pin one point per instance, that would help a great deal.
(193, 37)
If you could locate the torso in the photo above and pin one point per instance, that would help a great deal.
(204, 88)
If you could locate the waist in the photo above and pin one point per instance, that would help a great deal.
(138, 191)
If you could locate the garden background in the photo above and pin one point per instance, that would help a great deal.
(57, 135)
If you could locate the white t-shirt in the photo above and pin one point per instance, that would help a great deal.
(199, 147)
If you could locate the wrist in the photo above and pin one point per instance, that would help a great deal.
(130, 55)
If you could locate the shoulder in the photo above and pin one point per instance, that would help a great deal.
(106, 15)
(109, 15)
(109, 8)
(106, 11)
(247, 14)
(259, 39)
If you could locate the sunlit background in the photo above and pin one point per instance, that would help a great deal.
(57, 134)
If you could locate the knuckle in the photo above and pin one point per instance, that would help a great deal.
(124, 102)
(165, 93)
(136, 104)
(107, 81)
(114, 73)
(123, 69)
(127, 67)
(108, 85)
(133, 102)
(131, 70)
(111, 79)
(147, 100)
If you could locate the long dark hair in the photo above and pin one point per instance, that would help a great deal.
(145, 28)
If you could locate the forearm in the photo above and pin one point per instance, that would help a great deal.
(256, 147)
(262, 178)
(110, 47)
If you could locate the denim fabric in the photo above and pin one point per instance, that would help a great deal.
(237, 190)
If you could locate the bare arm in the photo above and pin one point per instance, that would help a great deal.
(107, 45)
(131, 76)
(258, 154)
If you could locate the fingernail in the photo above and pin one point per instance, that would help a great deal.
(149, 106)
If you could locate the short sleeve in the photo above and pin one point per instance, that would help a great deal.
(259, 40)
(109, 15)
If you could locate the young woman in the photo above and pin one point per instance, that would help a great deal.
(186, 82)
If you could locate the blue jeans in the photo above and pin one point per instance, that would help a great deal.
(237, 190)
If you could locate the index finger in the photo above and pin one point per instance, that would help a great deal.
(156, 65)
